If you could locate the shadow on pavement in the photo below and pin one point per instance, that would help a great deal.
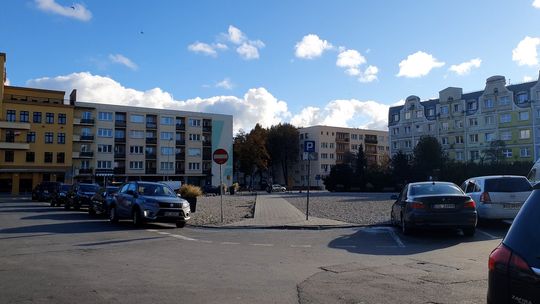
(64, 216)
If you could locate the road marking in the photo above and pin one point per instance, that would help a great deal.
(204, 241)
(396, 238)
(488, 234)
(263, 245)
(229, 243)
(152, 230)
(301, 246)
(164, 233)
(185, 238)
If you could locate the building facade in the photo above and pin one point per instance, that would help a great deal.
(332, 144)
(467, 125)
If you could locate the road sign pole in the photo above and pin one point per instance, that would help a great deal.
(221, 191)
(308, 186)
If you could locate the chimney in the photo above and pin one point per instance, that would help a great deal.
(73, 97)
(3, 76)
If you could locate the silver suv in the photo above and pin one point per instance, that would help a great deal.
(498, 196)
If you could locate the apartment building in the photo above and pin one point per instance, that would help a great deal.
(36, 128)
(332, 144)
(467, 124)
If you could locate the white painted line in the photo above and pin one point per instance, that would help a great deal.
(488, 234)
(301, 246)
(152, 230)
(396, 238)
(204, 241)
(229, 243)
(164, 233)
(263, 245)
(185, 238)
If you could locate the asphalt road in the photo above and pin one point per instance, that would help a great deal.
(48, 255)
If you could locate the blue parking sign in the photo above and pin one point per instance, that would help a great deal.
(309, 146)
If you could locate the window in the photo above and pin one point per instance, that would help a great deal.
(458, 123)
(11, 115)
(136, 149)
(166, 166)
(195, 137)
(525, 134)
(105, 116)
(49, 137)
(30, 157)
(395, 145)
(104, 164)
(407, 130)
(24, 116)
(169, 150)
(430, 127)
(506, 135)
(194, 152)
(87, 115)
(62, 119)
(86, 132)
(459, 155)
(488, 103)
(456, 108)
(489, 120)
(104, 148)
(525, 152)
(395, 118)
(194, 122)
(331, 155)
(331, 145)
(60, 157)
(444, 140)
(444, 126)
(61, 138)
(354, 147)
(49, 118)
(471, 105)
(9, 156)
(473, 138)
(48, 157)
(459, 139)
(167, 135)
(408, 144)
(431, 112)
(524, 115)
(119, 133)
(474, 155)
(473, 121)
(353, 136)
(324, 155)
(37, 117)
(136, 165)
(167, 120)
(407, 115)
(504, 100)
(324, 167)
(194, 166)
(507, 153)
(504, 118)
(395, 131)
(31, 137)
(419, 114)
(490, 136)
(135, 118)
(444, 110)
(136, 134)
(85, 164)
(102, 132)
(522, 98)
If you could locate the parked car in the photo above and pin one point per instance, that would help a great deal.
(149, 202)
(498, 196)
(434, 205)
(99, 203)
(44, 191)
(534, 173)
(81, 195)
(210, 190)
(278, 188)
(61, 196)
(514, 266)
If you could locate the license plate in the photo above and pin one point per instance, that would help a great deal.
(172, 214)
(444, 206)
(511, 206)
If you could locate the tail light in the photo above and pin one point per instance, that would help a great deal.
(417, 205)
(485, 198)
(502, 259)
(470, 204)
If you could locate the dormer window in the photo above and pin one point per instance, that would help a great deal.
(450, 99)
(522, 98)
(496, 91)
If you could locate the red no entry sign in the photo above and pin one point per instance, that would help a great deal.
(220, 156)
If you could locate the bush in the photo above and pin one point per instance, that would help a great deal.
(190, 191)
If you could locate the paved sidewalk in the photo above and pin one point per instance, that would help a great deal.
(271, 210)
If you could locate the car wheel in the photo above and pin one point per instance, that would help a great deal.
(53, 204)
(405, 229)
(180, 224)
(393, 221)
(91, 211)
(137, 218)
(469, 231)
(113, 215)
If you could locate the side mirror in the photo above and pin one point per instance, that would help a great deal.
(394, 197)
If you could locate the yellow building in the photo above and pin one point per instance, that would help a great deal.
(36, 132)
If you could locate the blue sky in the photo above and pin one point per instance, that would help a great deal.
(308, 62)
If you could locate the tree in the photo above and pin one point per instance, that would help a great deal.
(401, 169)
(360, 167)
(341, 177)
(428, 158)
(250, 151)
(283, 147)
(494, 153)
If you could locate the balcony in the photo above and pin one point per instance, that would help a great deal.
(151, 140)
(83, 121)
(119, 123)
(86, 154)
(150, 156)
(346, 140)
(14, 125)
(150, 171)
(207, 143)
(180, 142)
(180, 156)
(119, 155)
(86, 138)
(84, 171)
(207, 156)
(14, 145)
(207, 171)
(179, 171)
(180, 127)
(151, 125)
(369, 140)
(119, 139)
(207, 129)
(117, 171)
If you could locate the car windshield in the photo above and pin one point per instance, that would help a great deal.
(89, 188)
(155, 190)
(434, 189)
(507, 184)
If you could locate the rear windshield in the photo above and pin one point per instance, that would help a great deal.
(507, 184)
(434, 189)
(89, 188)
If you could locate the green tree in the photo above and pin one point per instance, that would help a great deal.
(494, 153)
(401, 168)
(360, 167)
(283, 147)
(251, 155)
(428, 158)
(341, 178)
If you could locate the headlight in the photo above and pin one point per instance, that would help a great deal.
(185, 205)
(147, 212)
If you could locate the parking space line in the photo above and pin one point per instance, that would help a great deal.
(396, 238)
(263, 245)
(204, 241)
(301, 246)
(185, 238)
(229, 243)
(164, 233)
(488, 234)
(152, 230)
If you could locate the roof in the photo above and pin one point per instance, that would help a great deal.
(526, 86)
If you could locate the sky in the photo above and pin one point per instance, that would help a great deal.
(306, 62)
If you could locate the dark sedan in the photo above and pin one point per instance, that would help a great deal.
(61, 196)
(101, 200)
(434, 205)
(81, 195)
(514, 266)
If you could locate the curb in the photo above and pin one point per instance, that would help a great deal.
(287, 227)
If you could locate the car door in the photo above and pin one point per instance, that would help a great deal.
(120, 199)
(398, 205)
(128, 200)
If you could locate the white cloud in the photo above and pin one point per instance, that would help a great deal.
(536, 3)
(418, 64)
(256, 106)
(75, 11)
(528, 78)
(204, 48)
(525, 53)
(249, 50)
(123, 60)
(345, 113)
(7, 82)
(225, 84)
(465, 67)
(311, 47)
(370, 74)
(351, 60)
(235, 35)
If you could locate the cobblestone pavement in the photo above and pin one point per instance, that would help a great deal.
(235, 208)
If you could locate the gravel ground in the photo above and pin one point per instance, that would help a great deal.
(235, 208)
(358, 208)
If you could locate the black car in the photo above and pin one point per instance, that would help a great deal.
(44, 191)
(61, 196)
(514, 266)
(81, 195)
(434, 205)
(149, 202)
(210, 190)
(100, 202)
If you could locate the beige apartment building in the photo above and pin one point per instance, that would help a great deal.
(331, 146)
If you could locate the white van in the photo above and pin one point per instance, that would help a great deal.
(534, 174)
